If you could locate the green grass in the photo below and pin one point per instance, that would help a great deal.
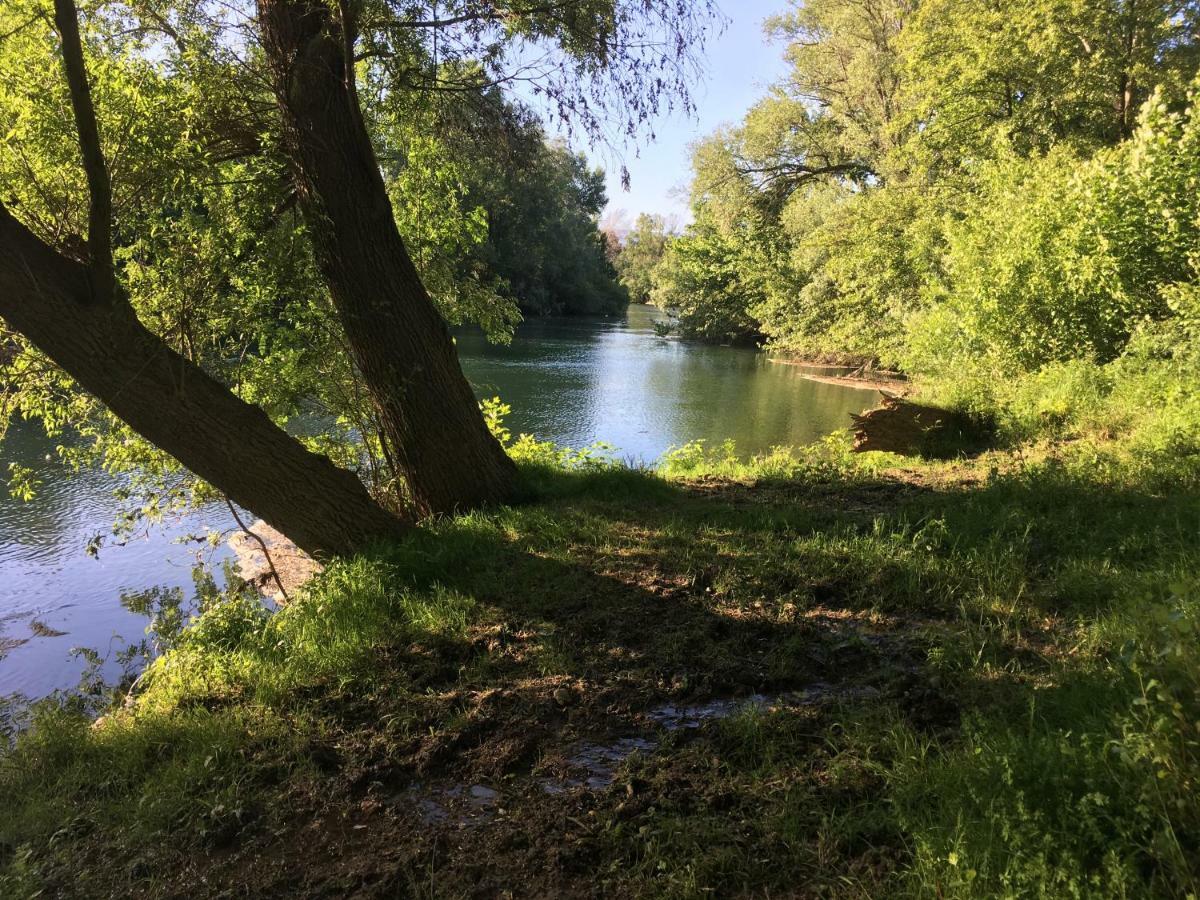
(1009, 645)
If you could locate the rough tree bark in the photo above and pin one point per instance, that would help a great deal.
(176, 405)
(431, 422)
(76, 313)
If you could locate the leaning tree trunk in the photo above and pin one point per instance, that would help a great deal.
(97, 339)
(430, 420)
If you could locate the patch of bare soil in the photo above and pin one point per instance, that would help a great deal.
(901, 426)
(516, 793)
(270, 561)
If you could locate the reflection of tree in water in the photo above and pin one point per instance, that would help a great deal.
(577, 381)
(8, 643)
(720, 393)
(169, 613)
(50, 586)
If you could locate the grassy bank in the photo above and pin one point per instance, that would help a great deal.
(976, 678)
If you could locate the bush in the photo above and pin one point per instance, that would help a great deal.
(857, 268)
(1059, 259)
(1093, 796)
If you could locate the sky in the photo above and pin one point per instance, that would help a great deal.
(740, 65)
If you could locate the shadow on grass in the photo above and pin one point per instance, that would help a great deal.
(573, 616)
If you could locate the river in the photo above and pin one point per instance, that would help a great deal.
(573, 381)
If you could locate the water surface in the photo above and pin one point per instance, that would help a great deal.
(54, 596)
(578, 380)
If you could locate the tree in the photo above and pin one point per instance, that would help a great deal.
(803, 161)
(433, 431)
(835, 116)
(431, 426)
(435, 151)
(640, 253)
(205, 243)
(704, 281)
(1064, 258)
(76, 311)
(543, 243)
(956, 187)
(1029, 74)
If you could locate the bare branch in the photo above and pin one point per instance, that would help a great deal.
(262, 545)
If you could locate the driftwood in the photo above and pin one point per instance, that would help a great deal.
(900, 426)
(861, 375)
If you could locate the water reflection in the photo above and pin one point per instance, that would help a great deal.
(575, 381)
(54, 597)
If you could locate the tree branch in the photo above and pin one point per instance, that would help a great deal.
(489, 13)
(262, 545)
(66, 20)
(793, 175)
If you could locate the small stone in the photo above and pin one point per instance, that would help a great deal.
(564, 696)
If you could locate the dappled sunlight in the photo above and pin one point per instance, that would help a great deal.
(830, 531)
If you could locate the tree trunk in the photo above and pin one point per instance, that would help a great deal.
(177, 406)
(1126, 87)
(430, 420)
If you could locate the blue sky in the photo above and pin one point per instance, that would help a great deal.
(739, 67)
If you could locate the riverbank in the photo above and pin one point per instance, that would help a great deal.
(848, 372)
(570, 380)
(814, 674)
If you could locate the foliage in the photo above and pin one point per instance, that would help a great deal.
(836, 116)
(639, 254)
(542, 457)
(209, 242)
(858, 269)
(696, 459)
(1025, 75)
(1039, 809)
(1059, 259)
(429, 169)
(998, 199)
(543, 240)
(701, 282)
(1002, 651)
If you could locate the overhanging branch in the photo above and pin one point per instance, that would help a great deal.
(66, 20)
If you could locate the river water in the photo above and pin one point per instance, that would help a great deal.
(572, 381)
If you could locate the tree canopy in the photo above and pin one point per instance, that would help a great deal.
(951, 186)
(208, 238)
